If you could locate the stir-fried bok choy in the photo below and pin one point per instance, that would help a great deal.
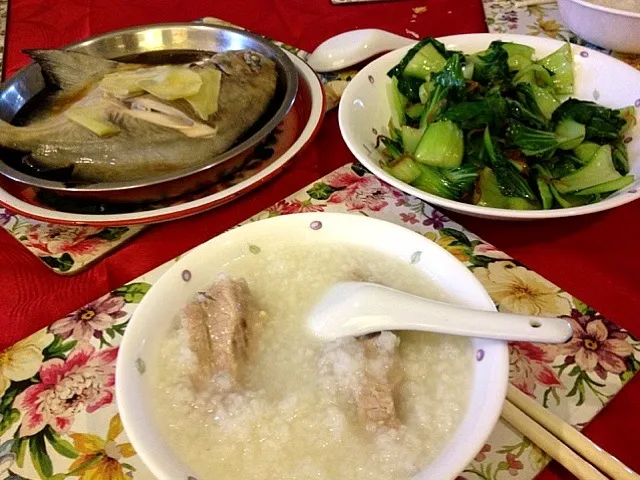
(499, 128)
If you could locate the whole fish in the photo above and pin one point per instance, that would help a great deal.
(149, 135)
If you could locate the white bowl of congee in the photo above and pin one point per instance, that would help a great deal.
(218, 376)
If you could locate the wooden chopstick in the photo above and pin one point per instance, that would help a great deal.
(532, 3)
(558, 438)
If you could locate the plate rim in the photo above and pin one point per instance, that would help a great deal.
(475, 210)
(193, 207)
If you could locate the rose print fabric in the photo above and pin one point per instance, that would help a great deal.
(58, 418)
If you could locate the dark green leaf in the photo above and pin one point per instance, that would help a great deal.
(451, 75)
(602, 124)
(392, 147)
(538, 143)
(19, 448)
(524, 107)
(63, 263)
(563, 165)
(9, 396)
(491, 67)
(490, 111)
(358, 169)
(9, 418)
(112, 233)
(620, 157)
(39, 456)
(58, 348)
(63, 447)
(575, 371)
(410, 88)
(510, 181)
(480, 260)
(448, 85)
(320, 191)
(457, 234)
(133, 292)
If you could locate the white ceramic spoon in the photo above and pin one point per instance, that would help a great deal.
(352, 47)
(351, 309)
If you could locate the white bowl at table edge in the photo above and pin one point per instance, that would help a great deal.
(151, 319)
(364, 107)
(605, 27)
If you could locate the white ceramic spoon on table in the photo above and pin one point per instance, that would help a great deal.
(352, 47)
(352, 309)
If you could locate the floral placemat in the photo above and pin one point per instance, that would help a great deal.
(58, 418)
(68, 250)
(503, 16)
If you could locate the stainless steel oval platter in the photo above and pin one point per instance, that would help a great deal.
(28, 83)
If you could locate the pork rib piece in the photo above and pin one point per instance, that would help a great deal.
(376, 405)
(219, 324)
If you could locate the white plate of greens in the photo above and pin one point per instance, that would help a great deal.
(510, 127)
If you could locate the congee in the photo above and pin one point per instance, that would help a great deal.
(242, 390)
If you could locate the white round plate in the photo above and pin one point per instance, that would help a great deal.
(154, 316)
(364, 109)
(309, 81)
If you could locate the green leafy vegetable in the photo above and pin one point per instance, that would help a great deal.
(520, 56)
(511, 183)
(599, 170)
(426, 60)
(411, 138)
(560, 63)
(451, 184)
(534, 74)
(570, 134)
(397, 102)
(442, 145)
(531, 141)
(545, 99)
(602, 124)
(491, 67)
(404, 169)
(495, 128)
(489, 111)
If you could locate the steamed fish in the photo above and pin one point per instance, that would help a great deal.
(114, 121)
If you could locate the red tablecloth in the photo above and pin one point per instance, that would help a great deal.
(592, 257)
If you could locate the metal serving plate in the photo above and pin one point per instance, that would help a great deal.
(29, 82)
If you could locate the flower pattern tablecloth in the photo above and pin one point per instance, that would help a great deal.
(58, 418)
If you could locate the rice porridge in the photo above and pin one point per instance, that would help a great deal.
(269, 401)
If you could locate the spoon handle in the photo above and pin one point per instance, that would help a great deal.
(382, 308)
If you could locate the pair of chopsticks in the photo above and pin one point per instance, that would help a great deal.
(561, 441)
(532, 3)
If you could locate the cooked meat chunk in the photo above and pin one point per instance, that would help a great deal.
(219, 324)
(375, 398)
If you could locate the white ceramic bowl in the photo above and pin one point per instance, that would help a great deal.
(151, 320)
(364, 110)
(609, 28)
